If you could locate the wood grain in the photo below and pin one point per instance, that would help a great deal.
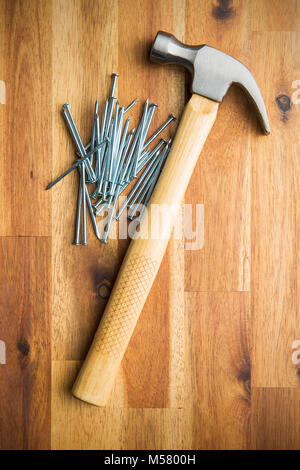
(222, 177)
(161, 322)
(225, 357)
(77, 425)
(144, 255)
(274, 15)
(219, 358)
(159, 391)
(83, 275)
(25, 319)
(274, 218)
(25, 119)
(275, 420)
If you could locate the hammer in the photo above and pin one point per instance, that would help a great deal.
(213, 73)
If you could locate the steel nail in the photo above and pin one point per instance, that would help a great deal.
(141, 139)
(97, 204)
(115, 77)
(114, 143)
(129, 159)
(133, 153)
(150, 155)
(150, 190)
(110, 109)
(150, 186)
(99, 190)
(100, 155)
(110, 218)
(119, 154)
(63, 175)
(151, 111)
(159, 130)
(148, 176)
(103, 120)
(94, 131)
(66, 108)
(130, 105)
(77, 225)
(83, 187)
(137, 186)
(76, 137)
(134, 208)
(116, 146)
(122, 166)
(103, 206)
(92, 213)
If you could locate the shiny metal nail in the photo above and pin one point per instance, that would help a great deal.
(129, 159)
(97, 204)
(82, 160)
(130, 105)
(119, 155)
(106, 204)
(66, 109)
(133, 153)
(117, 142)
(92, 214)
(138, 203)
(77, 225)
(83, 187)
(100, 155)
(144, 161)
(159, 130)
(110, 217)
(103, 120)
(99, 190)
(150, 114)
(110, 110)
(76, 137)
(115, 77)
(107, 165)
(121, 173)
(140, 140)
(114, 143)
(145, 181)
(145, 176)
(94, 131)
(156, 175)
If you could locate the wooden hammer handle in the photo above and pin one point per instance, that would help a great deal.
(143, 258)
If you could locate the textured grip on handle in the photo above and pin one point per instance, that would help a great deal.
(135, 281)
(143, 258)
(125, 304)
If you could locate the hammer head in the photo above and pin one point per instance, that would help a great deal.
(213, 71)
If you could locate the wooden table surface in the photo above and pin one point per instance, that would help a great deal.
(211, 363)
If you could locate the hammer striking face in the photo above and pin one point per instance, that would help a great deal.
(213, 71)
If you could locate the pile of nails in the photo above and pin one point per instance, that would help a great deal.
(112, 159)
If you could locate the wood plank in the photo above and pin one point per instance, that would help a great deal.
(57, 51)
(160, 384)
(274, 15)
(82, 275)
(219, 361)
(25, 379)
(25, 121)
(154, 375)
(222, 177)
(275, 420)
(274, 215)
(77, 425)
